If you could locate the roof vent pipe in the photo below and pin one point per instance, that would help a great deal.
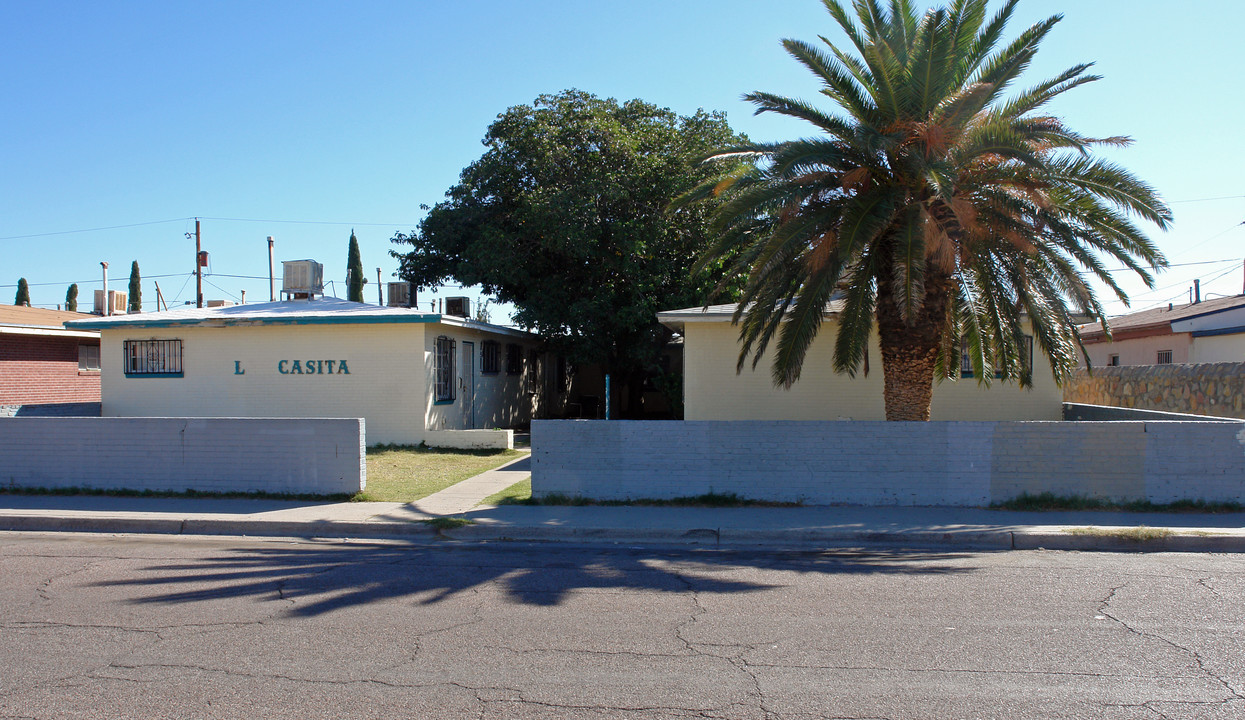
(107, 305)
(1197, 291)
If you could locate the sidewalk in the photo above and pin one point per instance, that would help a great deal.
(740, 528)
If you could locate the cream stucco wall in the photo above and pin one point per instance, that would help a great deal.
(385, 384)
(501, 400)
(1142, 350)
(1218, 348)
(713, 391)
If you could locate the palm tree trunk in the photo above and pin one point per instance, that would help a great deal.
(910, 350)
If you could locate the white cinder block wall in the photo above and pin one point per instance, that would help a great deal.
(275, 455)
(881, 463)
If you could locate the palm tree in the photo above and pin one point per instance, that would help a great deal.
(932, 206)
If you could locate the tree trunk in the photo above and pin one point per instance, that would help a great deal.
(910, 351)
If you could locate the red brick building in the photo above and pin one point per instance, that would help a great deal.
(46, 369)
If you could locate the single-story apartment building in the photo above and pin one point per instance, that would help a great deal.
(407, 373)
(46, 368)
(1199, 332)
(713, 390)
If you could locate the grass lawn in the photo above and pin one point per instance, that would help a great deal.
(405, 473)
(513, 495)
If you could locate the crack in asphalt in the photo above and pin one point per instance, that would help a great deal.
(738, 661)
(1150, 705)
(1104, 608)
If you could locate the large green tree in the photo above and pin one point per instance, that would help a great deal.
(931, 205)
(23, 293)
(355, 278)
(566, 216)
(136, 290)
(71, 298)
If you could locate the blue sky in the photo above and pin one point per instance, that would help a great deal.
(303, 120)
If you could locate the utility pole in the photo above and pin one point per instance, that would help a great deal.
(380, 296)
(198, 266)
(272, 285)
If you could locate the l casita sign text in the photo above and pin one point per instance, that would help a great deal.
(303, 367)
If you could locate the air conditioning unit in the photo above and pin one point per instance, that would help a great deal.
(399, 294)
(302, 277)
(458, 306)
(221, 303)
(117, 300)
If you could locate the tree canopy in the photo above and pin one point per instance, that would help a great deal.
(23, 293)
(71, 298)
(566, 216)
(931, 206)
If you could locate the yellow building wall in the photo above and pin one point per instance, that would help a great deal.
(234, 372)
(1142, 350)
(1218, 348)
(713, 391)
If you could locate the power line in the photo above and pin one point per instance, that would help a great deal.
(201, 217)
(88, 282)
(310, 222)
(1225, 197)
(98, 229)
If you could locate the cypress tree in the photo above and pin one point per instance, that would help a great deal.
(71, 298)
(23, 293)
(354, 272)
(136, 290)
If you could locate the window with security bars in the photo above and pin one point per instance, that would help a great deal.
(490, 357)
(443, 369)
(153, 358)
(1165, 357)
(966, 361)
(514, 359)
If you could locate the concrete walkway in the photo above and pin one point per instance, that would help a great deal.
(464, 496)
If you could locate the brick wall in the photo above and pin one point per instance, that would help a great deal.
(881, 463)
(276, 455)
(39, 369)
(1216, 389)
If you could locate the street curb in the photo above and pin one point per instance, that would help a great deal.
(1102, 539)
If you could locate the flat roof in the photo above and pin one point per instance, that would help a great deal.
(320, 311)
(675, 319)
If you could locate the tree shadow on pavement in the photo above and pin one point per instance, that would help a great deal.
(320, 577)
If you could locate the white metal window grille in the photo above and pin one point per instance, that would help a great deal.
(1165, 357)
(490, 357)
(514, 359)
(153, 357)
(444, 369)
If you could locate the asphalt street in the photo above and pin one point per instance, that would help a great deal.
(128, 626)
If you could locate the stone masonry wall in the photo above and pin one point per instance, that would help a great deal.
(889, 463)
(1216, 389)
(275, 455)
